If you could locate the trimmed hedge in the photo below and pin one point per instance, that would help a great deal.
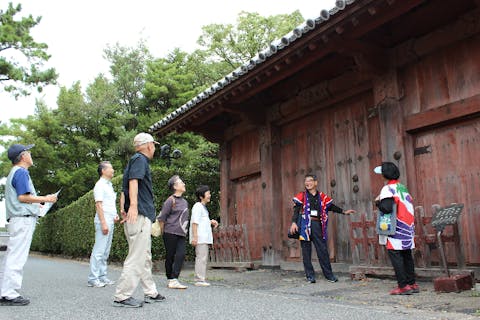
(70, 231)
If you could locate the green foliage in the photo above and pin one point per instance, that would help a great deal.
(200, 168)
(237, 44)
(128, 67)
(198, 155)
(23, 68)
(172, 81)
(169, 83)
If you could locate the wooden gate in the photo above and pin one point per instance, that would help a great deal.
(230, 247)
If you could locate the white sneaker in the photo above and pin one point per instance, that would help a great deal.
(95, 284)
(175, 284)
(108, 282)
(202, 284)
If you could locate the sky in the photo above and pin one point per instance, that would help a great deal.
(77, 32)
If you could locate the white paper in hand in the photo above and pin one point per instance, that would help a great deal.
(47, 206)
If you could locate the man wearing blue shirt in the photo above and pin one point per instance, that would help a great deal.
(23, 207)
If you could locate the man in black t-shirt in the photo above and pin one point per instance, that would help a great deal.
(138, 211)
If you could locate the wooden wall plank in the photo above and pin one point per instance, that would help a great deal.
(444, 77)
(246, 170)
(245, 154)
(443, 114)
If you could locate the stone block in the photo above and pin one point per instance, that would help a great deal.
(455, 283)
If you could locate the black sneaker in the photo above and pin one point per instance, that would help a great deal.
(311, 279)
(18, 301)
(333, 279)
(157, 298)
(128, 303)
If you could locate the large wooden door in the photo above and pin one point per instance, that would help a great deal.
(447, 169)
(356, 151)
(245, 201)
(247, 210)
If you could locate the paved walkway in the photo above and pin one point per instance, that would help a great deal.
(57, 289)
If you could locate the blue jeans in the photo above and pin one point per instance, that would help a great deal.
(322, 252)
(100, 253)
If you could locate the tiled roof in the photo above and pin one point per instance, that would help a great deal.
(262, 56)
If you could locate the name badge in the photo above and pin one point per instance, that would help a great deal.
(314, 213)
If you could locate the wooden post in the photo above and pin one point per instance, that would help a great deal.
(420, 238)
(442, 253)
(458, 247)
(269, 145)
(225, 184)
(353, 244)
(392, 133)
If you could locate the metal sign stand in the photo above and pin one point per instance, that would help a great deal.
(443, 217)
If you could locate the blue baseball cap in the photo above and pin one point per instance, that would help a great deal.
(16, 149)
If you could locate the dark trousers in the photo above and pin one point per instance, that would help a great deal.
(402, 262)
(175, 254)
(322, 252)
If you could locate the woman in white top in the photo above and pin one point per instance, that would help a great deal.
(201, 233)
